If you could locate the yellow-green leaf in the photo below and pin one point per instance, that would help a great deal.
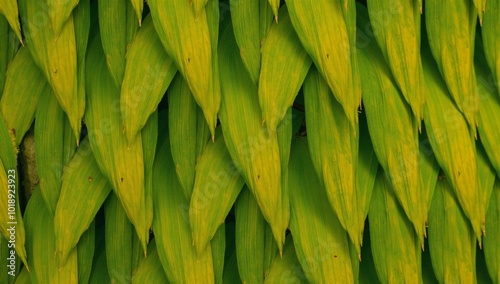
(186, 39)
(391, 234)
(148, 73)
(24, 85)
(284, 67)
(452, 243)
(321, 243)
(253, 148)
(324, 33)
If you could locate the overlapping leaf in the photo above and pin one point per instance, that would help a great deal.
(397, 31)
(333, 145)
(454, 51)
(59, 12)
(138, 8)
(81, 17)
(148, 73)
(122, 244)
(118, 26)
(82, 180)
(251, 20)
(10, 10)
(8, 158)
(40, 246)
(186, 39)
(249, 236)
(55, 144)
(56, 55)
(120, 161)
(188, 132)
(366, 173)
(455, 261)
(217, 184)
(284, 67)
(320, 242)
(453, 144)
(172, 233)
(391, 234)
(252, 147)
(326, 36)
(24, 85)
(393, 131)
(285, 134)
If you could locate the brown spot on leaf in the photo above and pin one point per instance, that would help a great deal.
(90, 179)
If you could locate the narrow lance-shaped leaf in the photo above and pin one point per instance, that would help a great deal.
(320, 242)
(454, 262)
(397, 32)
(184, 132)
(116, 22)
(275, 4)
(285, 134)
(366, 173)
(10, 10)
(428, 168)
(186, 39)
(8, 158)
(23, 87)
(178, 256)
(217, 179)
(334, 151)
(454, 52)
(148, 73)
(55, 55)
(213, 20)
(246, 20)
(249, 236)
(252, 147)
(59, 12)
(149, 135)
(324, 33)
(119, 238)
(453, 144)
(51, 132)
(138, 8)
(120, 161)
(393, 130)
(485, 177)
(391, 234)
(40, 245)
(284, 67)
(81, 17)
(82, 180)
